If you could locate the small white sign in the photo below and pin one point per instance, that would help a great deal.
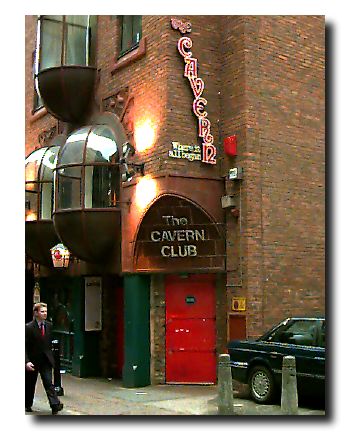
(93, 304)
(189, 152)
(235, 173)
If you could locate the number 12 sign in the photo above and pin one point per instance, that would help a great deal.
(199, 103)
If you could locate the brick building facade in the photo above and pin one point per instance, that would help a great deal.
(263, 81)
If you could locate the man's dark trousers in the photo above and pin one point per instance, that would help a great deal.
(45, 371)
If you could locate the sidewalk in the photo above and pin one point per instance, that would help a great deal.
(98, 396)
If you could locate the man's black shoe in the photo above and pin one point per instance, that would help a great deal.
(29, 409)
(57, 408)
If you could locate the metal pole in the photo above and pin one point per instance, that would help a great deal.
(57, 369)
(289, 397)
(225, 391)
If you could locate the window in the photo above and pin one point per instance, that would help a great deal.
(39, 168)
(323, 335)
(65, 40)
(303, 332)
(69, 188)
(37, 101)
(88, 170)
(101, 186)
(50, 41)
(130, 32)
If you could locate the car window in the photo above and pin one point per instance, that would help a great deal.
(323, 335)
(301, 332)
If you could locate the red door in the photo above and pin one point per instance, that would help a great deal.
(190, 329)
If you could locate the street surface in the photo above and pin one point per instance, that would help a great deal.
(99, 396)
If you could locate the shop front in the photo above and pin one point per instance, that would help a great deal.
(179, 245)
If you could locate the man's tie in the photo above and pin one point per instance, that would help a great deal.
(42, 329)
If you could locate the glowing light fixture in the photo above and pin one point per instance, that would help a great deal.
(31, 216)
(146, 191)
(130, 169)
(144, 135)
(60, 255)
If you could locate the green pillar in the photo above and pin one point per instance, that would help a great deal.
(136, 369)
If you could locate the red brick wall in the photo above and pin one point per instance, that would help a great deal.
(233, 116)
(284, 168)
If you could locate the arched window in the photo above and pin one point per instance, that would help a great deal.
(39, 166)
(88, 170)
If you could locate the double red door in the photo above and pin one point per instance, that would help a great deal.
(190, 329)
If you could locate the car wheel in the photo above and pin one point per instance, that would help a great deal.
(261, 384)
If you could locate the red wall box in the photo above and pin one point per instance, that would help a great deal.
(237, 327)
(230, 145)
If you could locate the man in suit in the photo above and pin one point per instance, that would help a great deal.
(39, 358)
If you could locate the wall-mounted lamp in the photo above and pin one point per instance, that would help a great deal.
(60, 255)
(130, 169)
(128, 150)
(130, 172)
(128, 175)
(36, 292)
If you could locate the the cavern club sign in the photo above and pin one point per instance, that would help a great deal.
(199, 102)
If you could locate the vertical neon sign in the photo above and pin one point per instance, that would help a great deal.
(199, 102)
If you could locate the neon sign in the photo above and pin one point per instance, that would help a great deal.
(183, 27)
(199, 103)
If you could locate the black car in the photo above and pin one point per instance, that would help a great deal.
(259, 362)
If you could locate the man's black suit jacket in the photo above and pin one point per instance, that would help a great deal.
(38, 347)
